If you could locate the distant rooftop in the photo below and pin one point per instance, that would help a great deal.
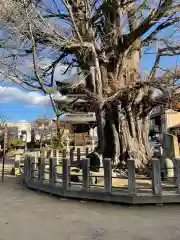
(74, 79)
(78, 118)
(68, 99)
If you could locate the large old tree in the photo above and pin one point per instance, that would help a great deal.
(106, 40)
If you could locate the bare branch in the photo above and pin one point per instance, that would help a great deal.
(154, 16)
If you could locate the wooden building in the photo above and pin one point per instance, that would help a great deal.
(82, 123)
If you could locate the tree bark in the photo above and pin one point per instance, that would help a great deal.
(119, 139)
(109, 145)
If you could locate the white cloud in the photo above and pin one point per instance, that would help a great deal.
(10, 94)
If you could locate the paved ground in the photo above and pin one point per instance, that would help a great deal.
(29, 215)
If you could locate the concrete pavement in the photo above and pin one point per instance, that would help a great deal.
(27, 215)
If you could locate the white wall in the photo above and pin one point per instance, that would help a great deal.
(22, 126)
(173, 118)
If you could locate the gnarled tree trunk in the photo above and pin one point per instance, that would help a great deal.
(123, 135)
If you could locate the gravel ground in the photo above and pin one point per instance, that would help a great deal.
(27, 215)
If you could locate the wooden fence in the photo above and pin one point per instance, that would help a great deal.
(56, 178)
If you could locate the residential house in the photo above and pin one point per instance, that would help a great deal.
(165, 121)
(20, 130)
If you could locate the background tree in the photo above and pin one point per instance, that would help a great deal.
(106, 39)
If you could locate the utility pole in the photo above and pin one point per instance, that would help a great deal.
(4, 151)
(51, 140)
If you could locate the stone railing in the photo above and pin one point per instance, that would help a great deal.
(63, 180)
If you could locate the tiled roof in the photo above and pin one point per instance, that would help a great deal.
(79, 118)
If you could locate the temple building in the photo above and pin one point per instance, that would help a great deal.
(82, 123)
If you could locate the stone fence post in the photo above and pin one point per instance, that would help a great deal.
(64, 154)
(85, 174)
(66, 173)
(26, 167)
(32, 168)
(107, 175)
(156, 177)
(177, 164)
(36, 155)
(41, 168)
(78, 156)
(71, 155)
(131, 177)
(53, 170)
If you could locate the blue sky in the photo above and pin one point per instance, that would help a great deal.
(18, 104)
(18, 111)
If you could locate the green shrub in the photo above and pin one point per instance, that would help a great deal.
(17, 142)
(58, 143)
